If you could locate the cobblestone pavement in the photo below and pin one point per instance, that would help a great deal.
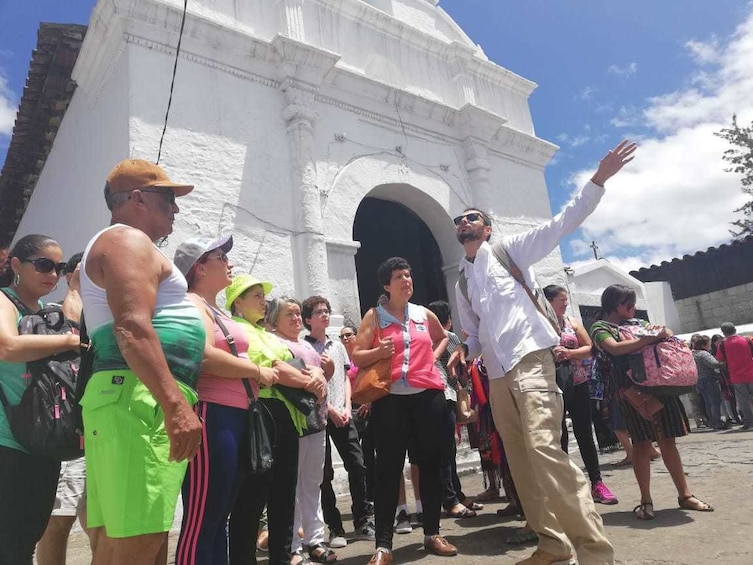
(720, 470)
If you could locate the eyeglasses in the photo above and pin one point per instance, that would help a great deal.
(347, 336)
(471, 217)
(222, 257)
(166, 192)
(292, 315)
(45, 265)
(322, 312)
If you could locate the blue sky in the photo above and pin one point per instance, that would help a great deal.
(667, 73)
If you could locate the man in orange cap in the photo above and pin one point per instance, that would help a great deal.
(148, 340)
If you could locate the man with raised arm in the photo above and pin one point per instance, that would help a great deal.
(500, 312)
(148, 340)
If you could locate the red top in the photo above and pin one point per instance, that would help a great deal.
(413, 361)
(737, 352)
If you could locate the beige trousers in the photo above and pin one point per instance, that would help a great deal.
(527, 408)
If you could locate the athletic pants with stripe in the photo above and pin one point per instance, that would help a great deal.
(211, 486)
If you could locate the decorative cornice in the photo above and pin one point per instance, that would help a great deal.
(343, 247)
(201, 60)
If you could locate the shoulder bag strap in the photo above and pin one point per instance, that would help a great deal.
(506, 261)
(17, 303)
(231, 345)
(24, 311)
(463, 285)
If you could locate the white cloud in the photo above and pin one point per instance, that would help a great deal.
(676, 198)
(625, 71)
(587, 93)
(704, 52)
(8, 107)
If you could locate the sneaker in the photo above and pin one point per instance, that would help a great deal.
(365, 532)
(402, 523)
(602, 494)
(337, 539)
(418, 520)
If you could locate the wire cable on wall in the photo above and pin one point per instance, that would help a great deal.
(172, 82)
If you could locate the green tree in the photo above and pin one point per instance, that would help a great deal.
(740, 157)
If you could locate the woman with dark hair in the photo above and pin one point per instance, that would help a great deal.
(413, 411)
(573, 349)
(275, 488)
(27, 482)
(708, 381)
(618, 309)
(214, 477)
(729, 403)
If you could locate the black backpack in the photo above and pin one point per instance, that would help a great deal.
(47, 422)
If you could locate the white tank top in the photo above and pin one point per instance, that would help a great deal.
(176, 321)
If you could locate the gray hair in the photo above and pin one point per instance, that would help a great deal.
(274, 306)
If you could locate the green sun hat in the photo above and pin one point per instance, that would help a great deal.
(241, 284)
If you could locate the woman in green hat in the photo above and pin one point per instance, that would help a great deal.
(276, 489)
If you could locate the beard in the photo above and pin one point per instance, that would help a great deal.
(468, 236)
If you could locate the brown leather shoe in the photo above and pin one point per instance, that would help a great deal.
(541, 557)
(440, 546)
(381, 558)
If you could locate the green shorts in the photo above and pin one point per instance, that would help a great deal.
(132, 488)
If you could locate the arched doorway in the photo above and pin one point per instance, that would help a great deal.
(387, 229)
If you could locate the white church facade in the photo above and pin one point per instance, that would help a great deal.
(326, 135)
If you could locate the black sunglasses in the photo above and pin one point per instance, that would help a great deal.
(471, 217)
(45, 265)
(166, 192)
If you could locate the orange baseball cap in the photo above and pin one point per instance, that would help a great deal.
(133, 174)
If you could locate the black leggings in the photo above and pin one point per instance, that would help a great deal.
(578, 405)
(398, 420)
(27, 494)
(453, 491)
(276, 489)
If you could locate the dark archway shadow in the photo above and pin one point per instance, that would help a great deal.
(388, 229)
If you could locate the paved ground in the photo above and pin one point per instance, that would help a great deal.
(719, 468)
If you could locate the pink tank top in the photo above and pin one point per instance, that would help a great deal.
(227, 392)
(413, 361)
(569, 340)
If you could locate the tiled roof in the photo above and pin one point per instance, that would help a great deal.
(48, 91)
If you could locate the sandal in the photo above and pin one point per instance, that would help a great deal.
(302, 559)
(464, 513)
(319, 553)
(700, 507)
(488, 495)
(472, 505)
(509, 510)
(522, 536)
(644, 511)
(627, 462)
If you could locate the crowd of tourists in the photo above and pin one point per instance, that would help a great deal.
(180, 379)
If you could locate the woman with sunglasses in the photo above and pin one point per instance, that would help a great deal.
(572, 378)
(214, 477)
(618, 309)
(276, 489)
(27, 483)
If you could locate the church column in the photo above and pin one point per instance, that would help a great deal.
(301, 69)
(477, 127)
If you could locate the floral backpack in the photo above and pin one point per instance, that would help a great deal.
(666, 368)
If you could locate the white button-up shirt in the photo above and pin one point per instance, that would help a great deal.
(501, 320)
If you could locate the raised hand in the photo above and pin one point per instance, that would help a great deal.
(613, 161)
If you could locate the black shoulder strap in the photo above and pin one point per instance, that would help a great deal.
(17, 303)
(231, 344)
